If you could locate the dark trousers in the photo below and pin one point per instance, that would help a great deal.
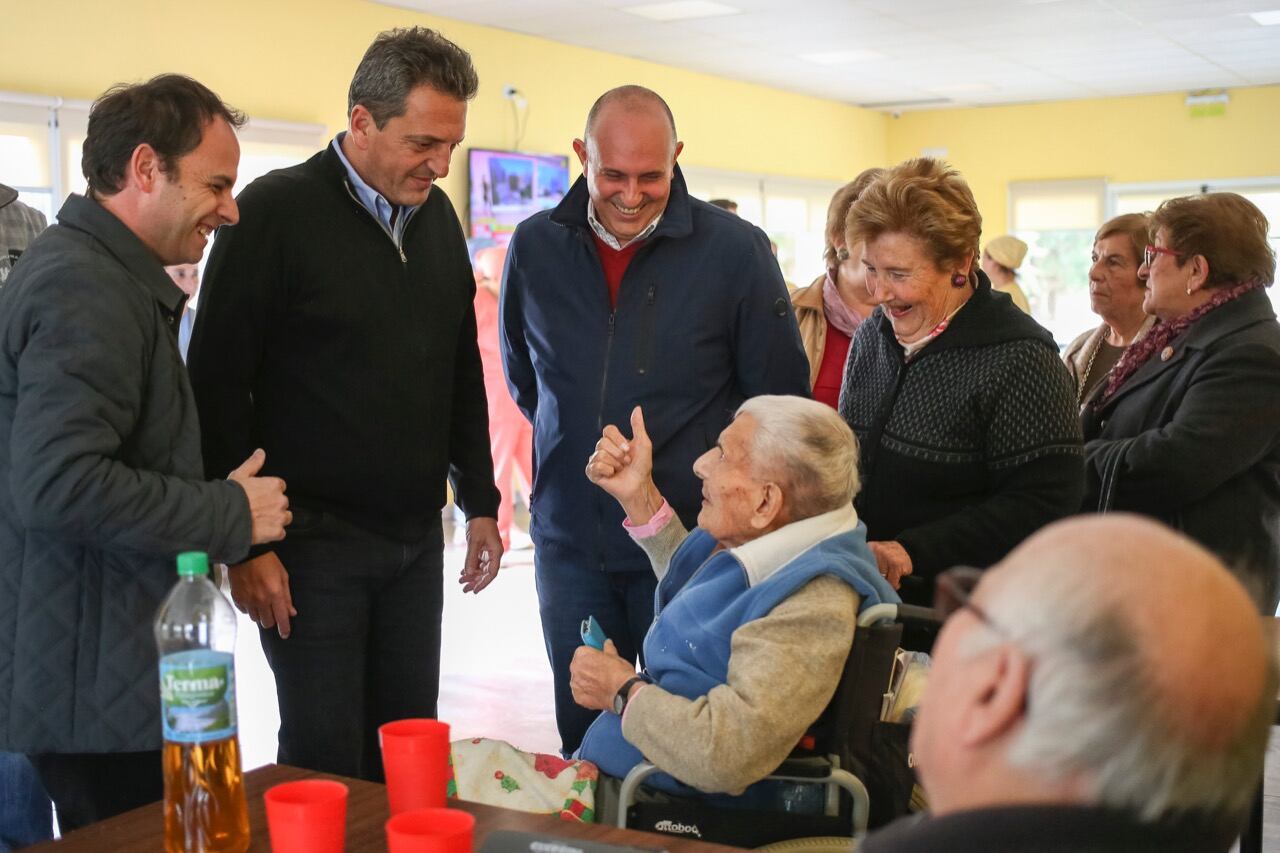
(364, 648)
(26, 815)
(571, 589)
(89, 787)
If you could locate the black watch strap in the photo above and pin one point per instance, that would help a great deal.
(624, 693)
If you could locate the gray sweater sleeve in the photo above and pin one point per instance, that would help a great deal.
(783, 670)
(662, 546)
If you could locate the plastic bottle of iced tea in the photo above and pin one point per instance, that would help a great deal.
(204, 804)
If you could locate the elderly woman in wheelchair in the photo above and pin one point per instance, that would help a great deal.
(755, 608)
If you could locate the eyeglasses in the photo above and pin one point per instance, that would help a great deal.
(1149, 254)
(953, 592)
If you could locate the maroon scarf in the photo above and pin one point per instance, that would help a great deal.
(1161, 334)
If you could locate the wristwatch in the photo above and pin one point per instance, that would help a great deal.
(620, 698)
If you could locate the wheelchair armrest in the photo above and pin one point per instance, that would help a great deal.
(907, 614)
(626, 796)
(811, 767)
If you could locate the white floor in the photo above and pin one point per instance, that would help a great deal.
(495, 680)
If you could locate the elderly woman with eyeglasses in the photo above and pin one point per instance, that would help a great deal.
(1187, 428)
(965, 415)
(830, 310)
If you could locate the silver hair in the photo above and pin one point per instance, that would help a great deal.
(809, 448)
(1096, 711)
(400, 60)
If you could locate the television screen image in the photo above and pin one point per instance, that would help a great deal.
(507, 187)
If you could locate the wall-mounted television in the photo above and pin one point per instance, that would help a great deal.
(507, 187)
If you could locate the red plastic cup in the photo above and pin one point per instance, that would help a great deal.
(430, 831)
(415, 759)
(307, 817)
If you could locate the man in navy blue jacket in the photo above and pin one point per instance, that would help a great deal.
(630, 293)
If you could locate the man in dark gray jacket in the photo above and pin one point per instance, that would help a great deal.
(101, 482)
(26, 815)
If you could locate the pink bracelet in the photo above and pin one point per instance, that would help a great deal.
(660, 518)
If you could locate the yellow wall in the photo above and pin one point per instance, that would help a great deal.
(1145, 138)
(292, 60)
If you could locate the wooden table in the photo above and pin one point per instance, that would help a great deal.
(141, 829)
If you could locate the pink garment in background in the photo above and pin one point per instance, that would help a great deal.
(510, 435)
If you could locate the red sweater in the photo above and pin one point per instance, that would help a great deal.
(826, 387)
(615, 263)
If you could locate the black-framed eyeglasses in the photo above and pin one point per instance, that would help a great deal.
(953, 591)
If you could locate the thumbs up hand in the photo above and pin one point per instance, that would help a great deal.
(268, 506)
(624, 468)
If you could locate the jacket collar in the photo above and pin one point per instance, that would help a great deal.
(987, 318)
(1251, 308)
(1092, 340)
(764, 557)
(811, 296)
(85, 214)
(677, 217)
(1049, 829)
(332, 168)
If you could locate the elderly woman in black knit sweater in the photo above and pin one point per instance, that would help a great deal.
(965, 415)
(1187, 428)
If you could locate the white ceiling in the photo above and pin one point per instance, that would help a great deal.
(924, 53)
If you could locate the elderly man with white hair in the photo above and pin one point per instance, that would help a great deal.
(1109, 686)
(755, 609)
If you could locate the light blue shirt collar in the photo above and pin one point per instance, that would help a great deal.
(374, 201)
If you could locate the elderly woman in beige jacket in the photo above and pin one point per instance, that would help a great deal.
(1115, 295)
(829, 310)
(1000, 261)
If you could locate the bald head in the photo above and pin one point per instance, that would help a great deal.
(1191, 620)
(628, 156)
(1152, 675)
(629, 101)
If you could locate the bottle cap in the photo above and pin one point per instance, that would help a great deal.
(193, 563)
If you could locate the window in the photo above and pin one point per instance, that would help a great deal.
(1057, 221)
(25, 152)
(792, 211)
(41, 139)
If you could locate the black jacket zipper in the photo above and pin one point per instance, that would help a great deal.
(377, 221)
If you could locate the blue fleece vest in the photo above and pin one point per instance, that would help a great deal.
(700, 602)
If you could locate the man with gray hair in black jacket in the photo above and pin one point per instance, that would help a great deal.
(101, 481)
(337, 329)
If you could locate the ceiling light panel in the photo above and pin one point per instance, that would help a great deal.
(682, 10)
(841, 57)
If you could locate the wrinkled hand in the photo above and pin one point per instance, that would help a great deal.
(268, 506)
(260, 587)
(595, 677)
(484, 554)
(624, 469)
(893, 561)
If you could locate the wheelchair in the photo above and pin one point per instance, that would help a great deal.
(842, 752)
